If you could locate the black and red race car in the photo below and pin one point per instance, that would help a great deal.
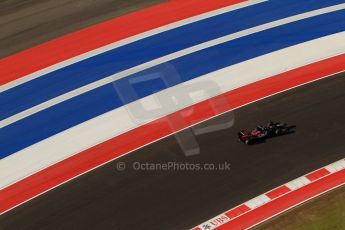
(260, 133)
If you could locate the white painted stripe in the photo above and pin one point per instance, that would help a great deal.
(341, 164)
(337, 166)
(298, 183)
(164, 59)
(331, 168)
(257, 201)
(118, 121)
(127, 41)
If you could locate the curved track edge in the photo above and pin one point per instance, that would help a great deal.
(280, 199)
(45, 180)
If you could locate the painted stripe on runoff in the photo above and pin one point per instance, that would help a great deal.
(95, 157)
(119, 121)
(106, 98)
(141, 47)
(86, 43)
(98, 67)
(163, 59)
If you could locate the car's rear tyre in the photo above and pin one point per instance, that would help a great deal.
(278, 131)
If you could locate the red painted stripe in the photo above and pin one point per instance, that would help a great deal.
(237, 211)
(71, 45)
(278, 192)
(285, 202)
(118, 146)
(317, 174)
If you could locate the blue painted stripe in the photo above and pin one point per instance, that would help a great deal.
(79, 109)
(74, 76)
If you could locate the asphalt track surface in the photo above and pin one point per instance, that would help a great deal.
(26, 23)
(110, 199)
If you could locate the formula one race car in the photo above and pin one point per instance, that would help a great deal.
(263, 132)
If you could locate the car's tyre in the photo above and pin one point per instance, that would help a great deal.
(248, 141)
(278, 132)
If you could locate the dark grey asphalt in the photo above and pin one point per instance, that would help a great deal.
(26, 23)
(108, 199)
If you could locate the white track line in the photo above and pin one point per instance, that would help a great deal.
(164, 59)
